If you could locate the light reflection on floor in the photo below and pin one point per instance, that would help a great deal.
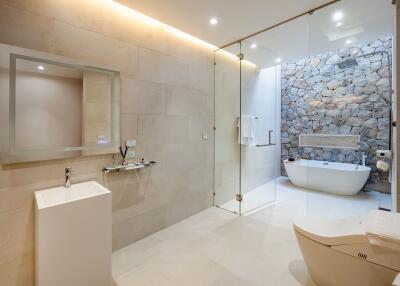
(219, 248)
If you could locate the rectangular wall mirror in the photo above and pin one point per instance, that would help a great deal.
(53, 108)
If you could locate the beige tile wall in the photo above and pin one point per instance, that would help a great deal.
(166, 104)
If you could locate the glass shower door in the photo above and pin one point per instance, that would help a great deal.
(226, 118)
(259, 128)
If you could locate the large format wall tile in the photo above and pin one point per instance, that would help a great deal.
(166, 105)
(162, 68)
(95, 48)
(138, 96)
(129, 127)
(24, 29)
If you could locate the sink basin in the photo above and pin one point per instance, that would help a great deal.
(60, 195)
(73, 236)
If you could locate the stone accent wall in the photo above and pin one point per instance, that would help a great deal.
(320, 97)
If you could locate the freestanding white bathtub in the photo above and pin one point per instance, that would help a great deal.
(331, 177)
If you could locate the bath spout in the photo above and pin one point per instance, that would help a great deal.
(363, 159)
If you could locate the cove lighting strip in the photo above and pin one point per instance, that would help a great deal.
(151, 21)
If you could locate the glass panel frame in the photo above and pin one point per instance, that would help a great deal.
(9, 152)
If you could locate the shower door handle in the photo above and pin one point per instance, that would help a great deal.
(270, 136)
(269, 140)
(264, 145)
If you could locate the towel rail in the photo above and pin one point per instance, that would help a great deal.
(263, 145)
(239, 117)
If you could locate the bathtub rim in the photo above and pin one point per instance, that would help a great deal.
(329, 166)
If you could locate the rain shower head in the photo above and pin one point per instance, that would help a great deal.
(350, 63)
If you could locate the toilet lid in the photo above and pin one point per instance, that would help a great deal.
(334, 232)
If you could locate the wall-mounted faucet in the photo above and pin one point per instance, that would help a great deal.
(68, 172)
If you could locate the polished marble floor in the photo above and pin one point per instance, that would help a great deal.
(218, 248)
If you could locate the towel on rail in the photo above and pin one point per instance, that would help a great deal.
(247, 130)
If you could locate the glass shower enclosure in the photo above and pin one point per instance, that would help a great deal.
(246, 128)
(309, 77)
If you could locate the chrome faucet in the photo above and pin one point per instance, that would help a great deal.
(363, 158)
(68, 172)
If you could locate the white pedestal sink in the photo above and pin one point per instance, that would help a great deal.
(73, 236)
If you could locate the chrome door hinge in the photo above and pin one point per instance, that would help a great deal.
(239, 198)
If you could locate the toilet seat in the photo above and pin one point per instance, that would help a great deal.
(335, 232)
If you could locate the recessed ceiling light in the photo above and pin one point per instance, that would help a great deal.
(253, 45)
(348, 41)
(337, 16)
(213, 21)
(339, 24)
(40, 68)
(278, 60)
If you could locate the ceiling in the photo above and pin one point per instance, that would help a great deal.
(362, 21)
(237, 18)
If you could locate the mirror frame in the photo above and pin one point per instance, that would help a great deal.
(12, 155)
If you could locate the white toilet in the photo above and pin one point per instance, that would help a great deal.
(361, 251)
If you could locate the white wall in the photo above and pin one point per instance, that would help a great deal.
(261, 97)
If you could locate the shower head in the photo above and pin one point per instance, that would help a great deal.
(350, 63)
